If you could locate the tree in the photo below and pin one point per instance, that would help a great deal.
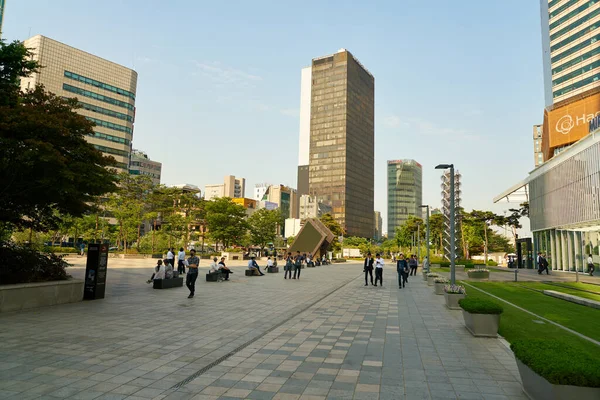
(47, 168)
(226, 221)
(436, 230)
(263, 226)
(406, 232)
(332, 224)
(485, 218)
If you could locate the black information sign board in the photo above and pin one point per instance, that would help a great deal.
(95, 271)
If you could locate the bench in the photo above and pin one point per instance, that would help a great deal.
(252, 272)
(273, 270)
(214, 277)
(167, 283)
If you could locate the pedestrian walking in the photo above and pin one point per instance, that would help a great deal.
(289, 266)
(403, 269)
(426, 264)
(413, 263)
(543, 265)
(180, 261)
(192, 275)
(368, 268)
(170, 257)
(591, 266)
(379, 270)
(297, 265)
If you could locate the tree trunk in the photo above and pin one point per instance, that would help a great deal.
(153, 230)
(96, 231)
(485, 250)
(120, 234)
(139, 234)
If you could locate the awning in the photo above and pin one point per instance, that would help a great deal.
(518, 193)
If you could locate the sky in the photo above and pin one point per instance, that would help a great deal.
(219, 82)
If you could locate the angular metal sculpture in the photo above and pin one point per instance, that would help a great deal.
(314, 238)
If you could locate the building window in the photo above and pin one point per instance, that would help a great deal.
(110, 125)
(111, 138)
(105, 111)
(98, 84)
(97, 96)
(110, 150)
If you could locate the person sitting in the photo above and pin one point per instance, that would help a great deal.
(253, 266)
(168, 271)
(156, 269)
(224, 270)
(214, 267)
(160, 274)
(269, 263)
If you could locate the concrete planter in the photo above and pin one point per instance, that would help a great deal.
(439, 288)
(452, 300)
(538, 388)
(484, 325)
(33, 295)
(273, 270)
(425, 276)
(459, 268)
(431, 280)
(479, 275)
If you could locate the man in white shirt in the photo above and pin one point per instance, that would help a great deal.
(378, 270)
(269, 263)
(591, 266)
(180, 260)
(171, 257)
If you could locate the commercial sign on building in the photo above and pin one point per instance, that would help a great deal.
(571, 122)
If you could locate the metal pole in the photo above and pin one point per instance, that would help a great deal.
(452, 233)
(427, 239)
(418, 243)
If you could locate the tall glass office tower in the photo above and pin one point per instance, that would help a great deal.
(405, 192)
(571, 47)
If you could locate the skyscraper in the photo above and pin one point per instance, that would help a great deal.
(341, 146)
(2, 4)
(105, 90)
(571, 68)
(405, 192)
(378, 225)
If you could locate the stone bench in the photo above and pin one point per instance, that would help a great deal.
(214, 277)
(167, 283)
(272, 270)
(250, 272)
(574, 299)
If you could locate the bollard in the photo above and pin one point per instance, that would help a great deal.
(516, 272)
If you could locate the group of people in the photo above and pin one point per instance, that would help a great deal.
(404, 267)
(542, 262)
(294, 263)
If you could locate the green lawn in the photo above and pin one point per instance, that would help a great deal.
(518, 325)
(447, 270)
(584, 286)
(582, 319)
(562, 289)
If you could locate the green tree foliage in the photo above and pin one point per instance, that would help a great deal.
(47, 168)
(226, 221)
(332, 224)
(408, 230)
(436, 232)
(263, 226)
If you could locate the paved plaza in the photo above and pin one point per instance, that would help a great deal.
(325, 336)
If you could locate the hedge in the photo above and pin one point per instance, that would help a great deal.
(558, 362)
(480, 306)
(26, 265)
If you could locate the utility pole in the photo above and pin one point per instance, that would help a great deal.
(427, 236)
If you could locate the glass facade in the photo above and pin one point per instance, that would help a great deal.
(110, 125)
(96, 96)
(405, 192)
(111, 138)
(98, 84)
(565, 206)
(341, 161)
(106, 111)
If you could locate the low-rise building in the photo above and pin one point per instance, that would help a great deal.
(141, 164)
(310, 207)
(232, 187)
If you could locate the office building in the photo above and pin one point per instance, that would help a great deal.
(378, 225)
(405, 192)
(2, 4)
(105, 90)
(538, 154)
(310, 207)
(571, 69)
(259, 190)
(341, 146)
(141, 164)
(285, 197)
(249, 204)
(231, 187)
(304, 144)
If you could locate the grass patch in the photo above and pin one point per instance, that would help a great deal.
(556, 288)
(447, 270)
(582, 286)
(582, 319)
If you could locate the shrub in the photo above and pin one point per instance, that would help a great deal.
(432, 275)
(440, 280)
(480, 306)
(25, 265)
(478, 270)
(455, 289)
(492, 263)
(558, 361)
(60, 250)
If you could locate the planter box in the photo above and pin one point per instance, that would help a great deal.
(479, 275)
(167, 283)
(439, 288)
(485, 325)
(23, 296)
(273, 270)
(452, 300)
(538, 388)
(425, 276)
(459, 268)
(430, 281)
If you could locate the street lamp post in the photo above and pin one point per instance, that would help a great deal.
(427, 236)
(452, 215)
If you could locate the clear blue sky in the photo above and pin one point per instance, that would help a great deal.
(219, 81)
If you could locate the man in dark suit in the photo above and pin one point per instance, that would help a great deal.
(368, 268)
